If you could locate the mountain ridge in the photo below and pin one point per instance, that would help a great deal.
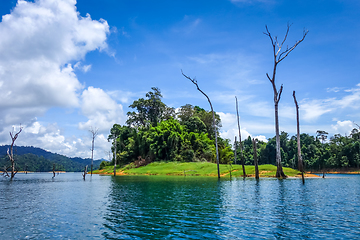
(29, 158)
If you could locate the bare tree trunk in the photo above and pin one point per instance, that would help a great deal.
(94, 133)
(85, 172)
(235, 149)
(115, 157)
(300, 162)
(255, 159)
(194, 81)
(11, 153)
(278, 56)
(279, 171)
(241, 149)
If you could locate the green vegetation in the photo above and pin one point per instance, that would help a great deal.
(155, 133)
(340, 152)
(195, 169)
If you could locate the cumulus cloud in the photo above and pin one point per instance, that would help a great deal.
(42, 43)
(39, 40)
(101, 110)
(343, 127)
(51, 137)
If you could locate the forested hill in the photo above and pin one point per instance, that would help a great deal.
(39, 160)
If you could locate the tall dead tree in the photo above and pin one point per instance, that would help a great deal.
(279, 54)
(300, 161)
(235, 157)
(255, 159)
(115, 140)
(10, 153)
(94, 133)
(241, 148)
(194, 81)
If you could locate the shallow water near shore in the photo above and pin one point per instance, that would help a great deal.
(35, 206)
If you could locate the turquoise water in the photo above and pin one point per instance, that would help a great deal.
(35, 206)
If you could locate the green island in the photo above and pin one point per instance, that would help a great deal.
(161, 140)
(195, 169)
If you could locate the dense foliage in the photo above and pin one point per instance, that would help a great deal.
(155, 132)
(338, 152)
(38, 160)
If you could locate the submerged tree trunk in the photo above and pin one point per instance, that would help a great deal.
(279, 171)
(85, 172)
(94, 133)
(11, 153)
(300, 161)
(255, 159)
(278, 56)
(194, 81)
(241, 150)
(53, 170)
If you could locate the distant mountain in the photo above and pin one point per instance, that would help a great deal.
(39, 160)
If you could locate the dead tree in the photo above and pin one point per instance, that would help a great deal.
(300, 161)
(241, 149)
(279, 54)
(255, 159)
(10, 152)
(94, 133)
(53, 170)
(194, 81)
(235, 150)
(115, 156)
(85, 172)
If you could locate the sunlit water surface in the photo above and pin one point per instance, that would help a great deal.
(35, 206)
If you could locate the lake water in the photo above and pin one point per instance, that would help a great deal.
(35, 206)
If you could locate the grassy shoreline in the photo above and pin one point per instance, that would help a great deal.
(198, 169)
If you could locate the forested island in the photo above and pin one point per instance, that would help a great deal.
(155, 132)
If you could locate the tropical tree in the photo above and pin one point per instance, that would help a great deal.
(149, 111)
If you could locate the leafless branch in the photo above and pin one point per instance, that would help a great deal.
(269, 77)
(281, 88)
(193, 80)
(288, 50)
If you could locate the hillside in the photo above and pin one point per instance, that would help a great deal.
(39, 160)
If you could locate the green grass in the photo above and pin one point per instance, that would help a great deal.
(196, 169)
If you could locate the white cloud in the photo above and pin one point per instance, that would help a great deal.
(313, 109)
(230, 128)
(51, 138)
(334, 89)
(38, 41)
(343, 127)
(84, 68)
(261, 138)
(101, 110)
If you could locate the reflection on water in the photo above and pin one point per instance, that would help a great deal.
(35, 206)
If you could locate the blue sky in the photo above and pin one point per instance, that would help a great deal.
(66, 65)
